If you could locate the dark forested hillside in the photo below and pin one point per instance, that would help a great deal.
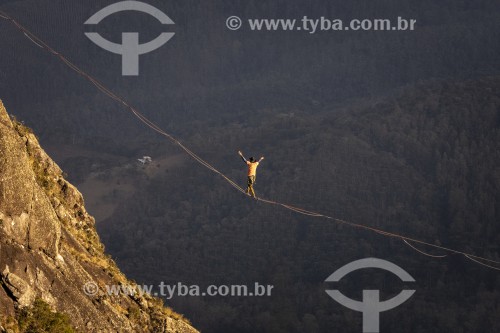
(422, 163)
(212, 74)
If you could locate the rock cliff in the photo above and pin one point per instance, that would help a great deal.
(50, 251)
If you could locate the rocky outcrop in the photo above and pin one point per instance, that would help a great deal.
(49, 248)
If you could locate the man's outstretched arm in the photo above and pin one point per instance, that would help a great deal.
(261, 159)
(242, 157)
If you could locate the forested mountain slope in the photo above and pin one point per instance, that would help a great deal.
(212, 74)
(424, 163)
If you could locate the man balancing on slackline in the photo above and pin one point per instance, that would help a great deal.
(252, 172)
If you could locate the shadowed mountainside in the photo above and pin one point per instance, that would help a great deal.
(423, 163)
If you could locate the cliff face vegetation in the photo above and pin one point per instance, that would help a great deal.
(49, 250)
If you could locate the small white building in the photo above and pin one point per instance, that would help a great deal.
(145, 160)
